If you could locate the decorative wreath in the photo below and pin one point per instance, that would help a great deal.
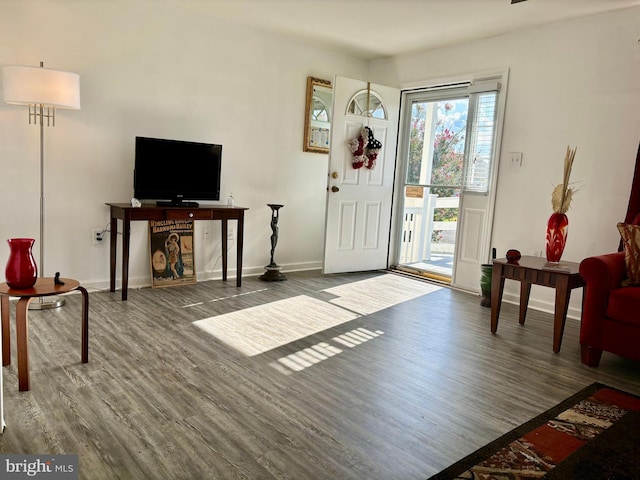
(365, 149)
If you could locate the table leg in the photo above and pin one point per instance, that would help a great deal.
(224, 249)
(525, 291)
(6, 340)
(239, 247)
(22, 340)
(113, 249)
(563, 292)
(497, 287)
(85, 324)
(126, 234)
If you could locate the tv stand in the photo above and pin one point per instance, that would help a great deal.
(126, 213)
(177, 203)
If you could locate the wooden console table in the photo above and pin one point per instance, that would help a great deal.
(43, 287)
(534, 270)
(127, 214)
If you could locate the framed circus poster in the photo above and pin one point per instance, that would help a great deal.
(172, 260)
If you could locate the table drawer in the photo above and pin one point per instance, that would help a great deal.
(188, 214)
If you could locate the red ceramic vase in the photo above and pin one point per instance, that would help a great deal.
(21, 271)
(557, 229)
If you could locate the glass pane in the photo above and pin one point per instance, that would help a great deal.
(358, 105)
(416, 142)
(448, 144)
(320, 111)
(429, 230)
(481, 144)
(436, 143)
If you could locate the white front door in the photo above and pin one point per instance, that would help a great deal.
(358, 216)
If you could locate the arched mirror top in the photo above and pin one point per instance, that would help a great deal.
(320, 111)
(367, 103)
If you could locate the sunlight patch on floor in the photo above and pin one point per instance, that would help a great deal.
(225, 298)
(308, 357)
(375, 294)
(256, 330)
(356, 337)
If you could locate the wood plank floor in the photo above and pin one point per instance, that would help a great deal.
(399, 392)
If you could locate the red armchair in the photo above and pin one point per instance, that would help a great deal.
(610, 313)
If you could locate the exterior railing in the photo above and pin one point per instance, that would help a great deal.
(418, 228)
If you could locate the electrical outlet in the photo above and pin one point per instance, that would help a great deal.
(206, 233)
(97, 236)
(230, 233)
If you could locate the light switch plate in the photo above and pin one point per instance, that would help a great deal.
(515, 159)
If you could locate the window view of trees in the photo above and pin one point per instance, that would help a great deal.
(416, 142)
(449, 127)
(448, 143)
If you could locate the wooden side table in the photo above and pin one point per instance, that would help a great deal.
(128, 214)
(44, 287)
(535, 270)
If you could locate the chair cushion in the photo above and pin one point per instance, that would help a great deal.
(624, 305)
(631, 240)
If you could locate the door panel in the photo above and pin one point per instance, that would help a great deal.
(358, 215)
(470, 236)
(373, 212)
(347, 226)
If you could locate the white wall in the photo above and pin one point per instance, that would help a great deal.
(165, 70)
(573, 83)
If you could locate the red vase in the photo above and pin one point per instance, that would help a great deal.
(21, 271)
(557, 229)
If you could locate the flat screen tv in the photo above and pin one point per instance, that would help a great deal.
(175, 172)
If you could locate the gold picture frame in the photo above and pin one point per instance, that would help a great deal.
(317, 115)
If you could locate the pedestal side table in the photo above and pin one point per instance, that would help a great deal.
(43, 287)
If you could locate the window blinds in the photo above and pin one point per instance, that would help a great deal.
(483, 98)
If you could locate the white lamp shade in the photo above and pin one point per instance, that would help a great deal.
(41, 86)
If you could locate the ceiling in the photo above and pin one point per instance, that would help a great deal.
(379, 28)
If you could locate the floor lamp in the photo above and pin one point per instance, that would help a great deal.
(42, 90)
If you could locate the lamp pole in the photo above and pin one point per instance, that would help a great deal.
(44, 302)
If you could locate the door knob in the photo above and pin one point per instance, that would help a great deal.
(334, 175)
(335, 189)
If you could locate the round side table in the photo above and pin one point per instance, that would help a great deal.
(43, 287)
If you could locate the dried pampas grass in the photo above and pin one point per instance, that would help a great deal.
(562, 194)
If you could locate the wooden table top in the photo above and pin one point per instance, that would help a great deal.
(42, 288)
(540, 263)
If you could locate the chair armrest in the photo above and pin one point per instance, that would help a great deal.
(602, 274)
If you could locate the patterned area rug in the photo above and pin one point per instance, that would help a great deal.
(595, 434)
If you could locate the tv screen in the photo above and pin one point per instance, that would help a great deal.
(176, 172)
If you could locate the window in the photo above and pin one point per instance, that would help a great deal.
(367, 101)
(480, 144)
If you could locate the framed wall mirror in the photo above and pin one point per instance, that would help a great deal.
(317, 116)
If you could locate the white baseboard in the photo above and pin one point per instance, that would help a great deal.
(145, 281)
(542, 306)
